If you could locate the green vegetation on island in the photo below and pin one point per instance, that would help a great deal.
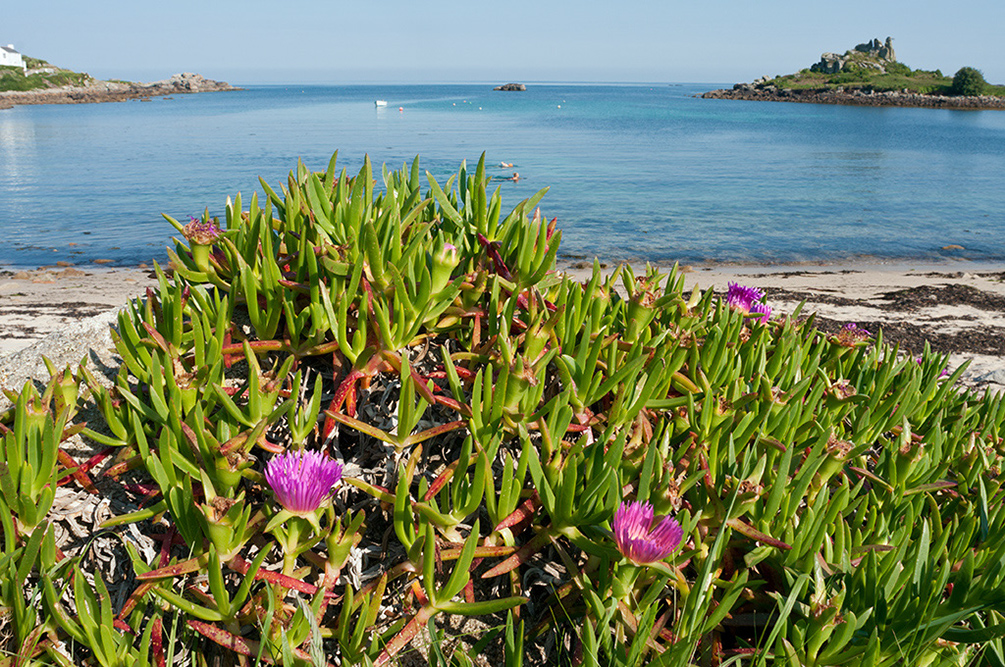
(969, 81)
(873, 66)
(899, 78)
(39, 75)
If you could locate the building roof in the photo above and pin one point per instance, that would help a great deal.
(9, 48)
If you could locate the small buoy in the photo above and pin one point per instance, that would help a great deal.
(455, 103)
(401, 108)
(479, 108)
(559, 106)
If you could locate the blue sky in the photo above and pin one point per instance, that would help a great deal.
(315, 41)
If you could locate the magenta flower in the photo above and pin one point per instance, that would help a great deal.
(643, 538)
(851, 334)
(203, 233)
(302, 479)
(762, 309)
(748, 300)
(742, 297)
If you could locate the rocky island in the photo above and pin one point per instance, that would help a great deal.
(870, 75)
(38, 82)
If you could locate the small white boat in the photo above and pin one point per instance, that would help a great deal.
(380, 103)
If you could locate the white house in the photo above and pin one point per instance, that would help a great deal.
(10, 57)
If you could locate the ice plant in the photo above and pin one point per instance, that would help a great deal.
(762, 309)
(742, 297)
(851, 334)
(642, 537)
(943, 373)
(302, 479)
(444, 262)
(747, 300)
(201, 235)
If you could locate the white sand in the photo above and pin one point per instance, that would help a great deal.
(48, 309)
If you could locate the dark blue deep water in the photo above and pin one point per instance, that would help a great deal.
(638, 172)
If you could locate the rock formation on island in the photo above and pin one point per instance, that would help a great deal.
(511, 86)
(867, 75)
(186, 82)
(871, 55)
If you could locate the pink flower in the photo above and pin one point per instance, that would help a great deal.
(762, 309)
(644, 538)
(742, 297)
(851, 334)
(748, 300)
(203, 233)
(302, 479)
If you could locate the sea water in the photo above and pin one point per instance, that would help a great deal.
(640, 172)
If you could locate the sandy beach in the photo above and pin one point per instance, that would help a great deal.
(959, 310)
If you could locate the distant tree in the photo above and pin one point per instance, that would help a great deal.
(968, 81)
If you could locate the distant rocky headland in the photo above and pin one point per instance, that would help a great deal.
(45, 84)
(870, 75)
(512, 87)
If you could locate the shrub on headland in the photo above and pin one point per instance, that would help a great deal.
(968, 81)
(355, 416)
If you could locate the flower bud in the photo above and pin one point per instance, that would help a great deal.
(201, 236)
(445, 260)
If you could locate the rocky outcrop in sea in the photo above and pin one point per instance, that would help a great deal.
(857, 96)
(114, 91)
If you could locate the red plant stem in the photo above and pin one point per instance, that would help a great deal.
(97, 458)
(521, 514)
(248, 647)
(445, 476)
(407, 634)
(185, 567)
(242, 566)
(124, 466)
(157, 642)
(454, 405)
(492, 250)
(79, 475)
(521, 556)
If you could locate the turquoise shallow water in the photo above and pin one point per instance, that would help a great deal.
(639, 172)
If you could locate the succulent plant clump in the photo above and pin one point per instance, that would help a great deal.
(504, 439)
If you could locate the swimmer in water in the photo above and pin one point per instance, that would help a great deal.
(515, 177)
(505, 165)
